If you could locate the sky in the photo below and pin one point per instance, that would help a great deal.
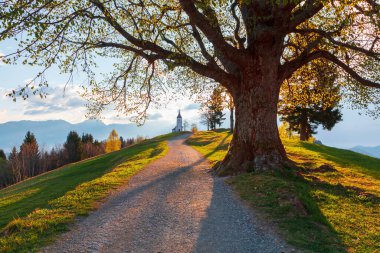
(64, 102)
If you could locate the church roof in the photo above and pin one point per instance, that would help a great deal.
(179, 114)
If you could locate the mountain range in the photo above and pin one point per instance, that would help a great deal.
(54, 132)
(370, 151)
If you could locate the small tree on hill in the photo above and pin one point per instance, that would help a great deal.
(194, 128)
(113, 142)
(185, 125)
(123, 143)
(29, 155)
(87, 138)
(2, 155)
(205, 120)
(311, 99)
(73, 147)
(212, 109)
(15, 164)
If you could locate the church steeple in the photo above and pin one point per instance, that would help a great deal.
(179, 126)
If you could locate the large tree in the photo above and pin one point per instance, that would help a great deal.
(248, 46)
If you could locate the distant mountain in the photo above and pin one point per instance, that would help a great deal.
(54, 132)
(370, 151)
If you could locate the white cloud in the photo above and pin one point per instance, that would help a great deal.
(58, 104)
(67, 104)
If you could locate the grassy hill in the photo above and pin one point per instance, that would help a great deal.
(35, 210)
(318, 209)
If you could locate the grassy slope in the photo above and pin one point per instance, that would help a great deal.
(336, 211)
(47, 203)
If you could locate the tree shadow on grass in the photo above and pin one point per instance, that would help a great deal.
(287, 199)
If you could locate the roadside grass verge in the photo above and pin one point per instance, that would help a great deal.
(317, 209)
(35, 210)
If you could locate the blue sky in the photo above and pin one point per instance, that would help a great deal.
(68, 105)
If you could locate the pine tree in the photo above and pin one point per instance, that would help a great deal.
(29, 155)
(2, 155)
(73, 147)
(113, 142)
(87, 138)
(15, 164)
(122, 142)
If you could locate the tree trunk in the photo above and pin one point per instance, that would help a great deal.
(303, 132)
(232, 119)
(256, 143)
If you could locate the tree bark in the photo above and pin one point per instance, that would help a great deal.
(256, 143)
(303, 132)
(232, 119)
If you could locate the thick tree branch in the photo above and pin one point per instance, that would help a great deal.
(308, 10)
(178, 59)
(239, 41)
(329, 56)
(330, 38)
(290, 67)
(213, 33)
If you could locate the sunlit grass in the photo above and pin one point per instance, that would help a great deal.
(33, 211)
(317, 211)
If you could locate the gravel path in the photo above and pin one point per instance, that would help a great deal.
(173, 205)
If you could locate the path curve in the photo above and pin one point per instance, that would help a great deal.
(173, 205)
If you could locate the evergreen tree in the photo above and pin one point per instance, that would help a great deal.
(2, 155)
(311, 99)
(73, 147)
(113, 142)
(29, 155)
(87, 138)
(122, 142)
(15, 164)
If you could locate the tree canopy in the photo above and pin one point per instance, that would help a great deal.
(210, 38)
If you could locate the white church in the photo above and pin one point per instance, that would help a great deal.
(178, 127)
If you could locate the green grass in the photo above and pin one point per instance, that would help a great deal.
(35, 210)
(316, 211)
